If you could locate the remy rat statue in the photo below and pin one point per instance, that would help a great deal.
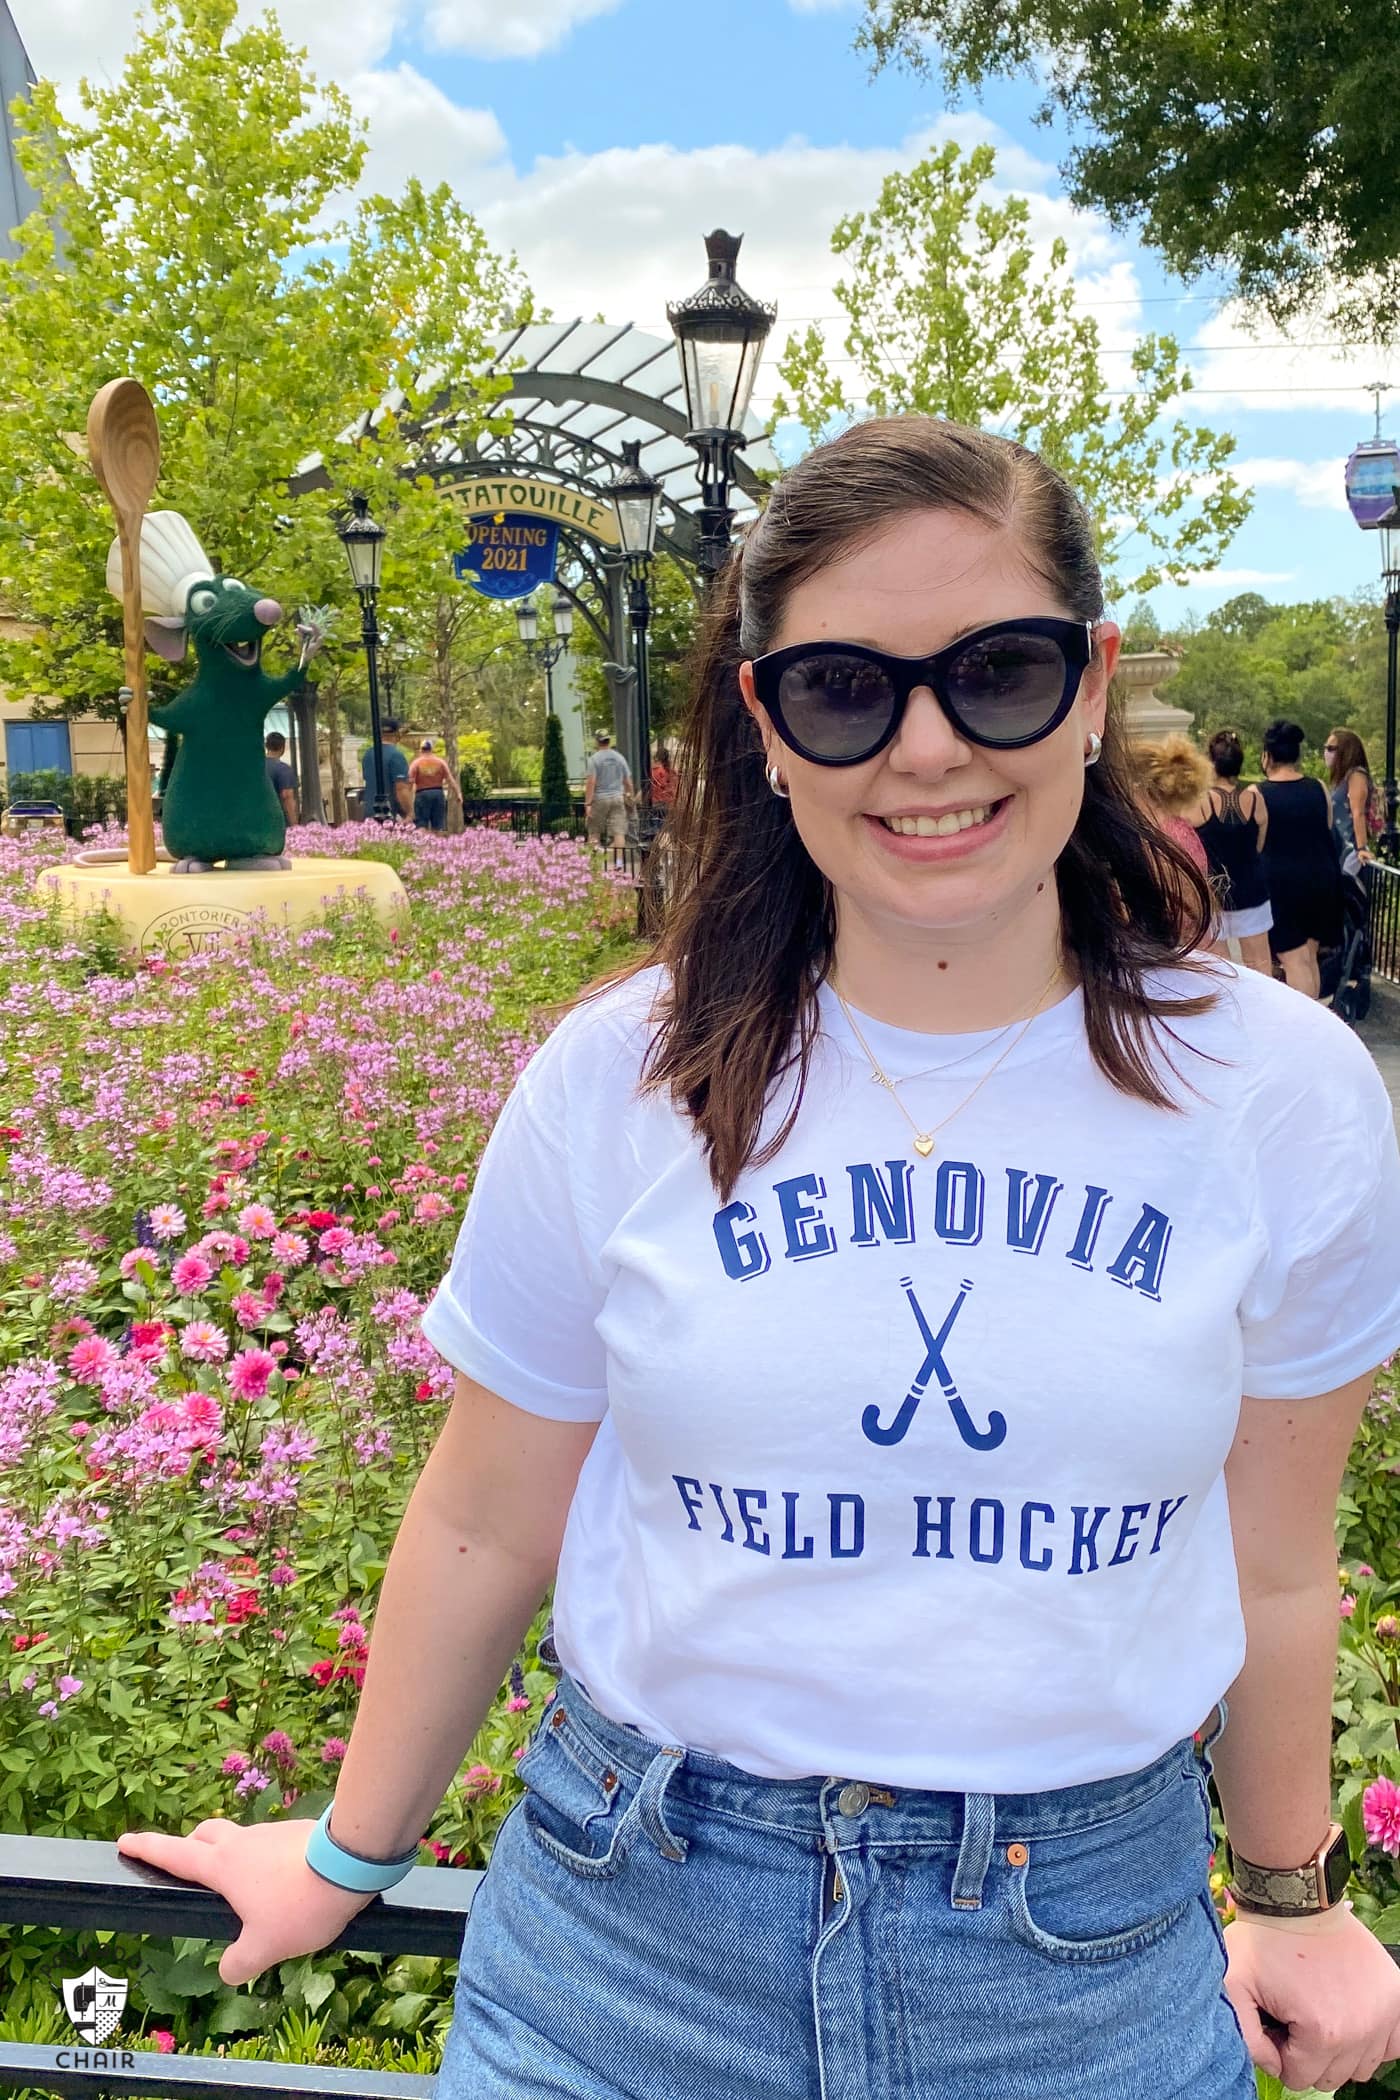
(217, 802)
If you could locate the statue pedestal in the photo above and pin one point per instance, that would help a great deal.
(1146, 717)
(177, 915)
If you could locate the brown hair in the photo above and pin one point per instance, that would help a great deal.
(1173, 773)
(1226, 753)
(749, 931)
(1349, 756)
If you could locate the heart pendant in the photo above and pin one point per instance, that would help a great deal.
(923, 1146)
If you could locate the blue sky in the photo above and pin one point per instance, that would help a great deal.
(601, 138)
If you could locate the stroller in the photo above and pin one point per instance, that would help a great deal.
(1346, 969)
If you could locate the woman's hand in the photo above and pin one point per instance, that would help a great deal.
(260, 1869)
(1331, 1984)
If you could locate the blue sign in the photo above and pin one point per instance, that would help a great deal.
(509, 554)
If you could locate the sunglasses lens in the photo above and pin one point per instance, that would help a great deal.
(1008, 687)
(837, 707)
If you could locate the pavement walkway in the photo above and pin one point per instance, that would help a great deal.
(1380, 1032)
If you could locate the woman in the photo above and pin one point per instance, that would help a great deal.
(888, 1428)
(430, 777)
(1233, 824)
(1349, 775)
(1172, 778)
(663, 779)
(1300, 861)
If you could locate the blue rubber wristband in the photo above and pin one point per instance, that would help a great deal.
(348, 1870)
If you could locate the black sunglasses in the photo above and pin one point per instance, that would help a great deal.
(839, 703)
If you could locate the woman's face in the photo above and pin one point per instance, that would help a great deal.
(928, 579)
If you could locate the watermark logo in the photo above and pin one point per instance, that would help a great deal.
(95, 2004)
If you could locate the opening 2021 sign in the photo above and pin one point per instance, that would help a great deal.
(513, 531)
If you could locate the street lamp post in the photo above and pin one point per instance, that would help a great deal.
(636, 498)
(548, 653)
(1373, 498)
(363, 540)
(720, 332)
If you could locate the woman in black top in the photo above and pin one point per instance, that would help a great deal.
(1233, 823)
(1300, 860)
(1349, 775)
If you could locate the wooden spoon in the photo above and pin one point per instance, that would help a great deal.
(124, 447)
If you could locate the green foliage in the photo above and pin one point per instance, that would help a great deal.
(950, 314)
(1141, 629)
(556, 801)
(183, 236)
(1237, 136)
(1320, 664)
(84, 798)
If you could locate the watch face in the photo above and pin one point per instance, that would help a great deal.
(1336, 1870)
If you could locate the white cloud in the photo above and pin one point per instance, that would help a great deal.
(415, 129)
(508, 28)
(1233, 579)
(818, 7)
(1302, 368)
(1317, 484)
(67, 39)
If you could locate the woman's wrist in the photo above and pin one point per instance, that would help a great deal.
(1310, 1927)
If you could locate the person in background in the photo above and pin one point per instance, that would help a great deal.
(430, 777)
(663, 779)
(1300, 861)
(1232, 824)
(1172, 778)
(1349, 777)
(395, 771)
(283, 779)
(607, 793)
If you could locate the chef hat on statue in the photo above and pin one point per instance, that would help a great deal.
(172, 562)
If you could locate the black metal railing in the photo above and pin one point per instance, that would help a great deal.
(1383, 883)
(80, 1884)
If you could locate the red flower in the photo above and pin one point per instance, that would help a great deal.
(243, 1604)
(322, 1672)
(9, 1131)
(423, 1390)
(241, 1100)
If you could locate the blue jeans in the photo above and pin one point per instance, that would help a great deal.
(658, 1925)
(430, 808)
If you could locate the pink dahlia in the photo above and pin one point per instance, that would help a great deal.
(249, 1373)
(1346, 1605)
(257, 1221)
(290, 1249)
(167, 1221)
(336, 1240)
(148, 1340)
(90, 1358)
(190, 1274)
(204, 1343)
(1380, 1812)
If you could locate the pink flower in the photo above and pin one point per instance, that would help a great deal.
(431, 1207)
(163, 2039)
(90, 1358)
(138, 1257)
(336, 1240)
(67, 1686)
(249, 1373)
(480, 1779)
(1365, 1570)
(257, 1221)
(1387, 1628)
(167, 1221)
(148, 1339)
(516, 1706)
(235, 1762)
(80, 1429)
(1346, 1605)
(249, 1310)
(333, 1750)
(253, 1781)
(290, 1249)
(204, 1343)
(279, 1747)
(1380, 1813)
(203, 1411)
(190, 1274)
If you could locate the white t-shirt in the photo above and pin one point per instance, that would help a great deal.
(911, 1470)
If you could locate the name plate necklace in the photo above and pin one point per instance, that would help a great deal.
(923, 1139)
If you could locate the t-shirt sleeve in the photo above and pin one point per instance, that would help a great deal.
(1323, 1304)
(517, 1308)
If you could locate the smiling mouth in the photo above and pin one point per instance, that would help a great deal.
(943, 827)
(245, 653)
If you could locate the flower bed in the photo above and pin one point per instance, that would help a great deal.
(229, 1185)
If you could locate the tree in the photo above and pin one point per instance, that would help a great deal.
(1243, 615)
(1253, 138)
(1320, 664)
(1142, 629)
(556, 801)
(670, 636)
(950, 314)
(184, 235)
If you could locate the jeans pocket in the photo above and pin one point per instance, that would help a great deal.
(573, 1807)
(1102, 1894)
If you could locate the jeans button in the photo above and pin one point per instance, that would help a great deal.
(853, 1800)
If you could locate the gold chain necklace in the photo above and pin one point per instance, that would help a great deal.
(923, 1139)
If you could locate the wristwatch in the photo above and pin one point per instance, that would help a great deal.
(1296, 1892)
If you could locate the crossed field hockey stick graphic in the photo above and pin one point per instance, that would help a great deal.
(979, 1439)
